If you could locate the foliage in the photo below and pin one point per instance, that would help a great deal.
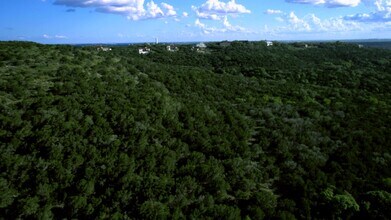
(240, 131)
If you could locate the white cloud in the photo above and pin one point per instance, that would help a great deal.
(205, 29)
(382, 27)
(132, 9)
(328, 3)
(226, 27)
(298, 24)
(153, 10)
(382, 13)
(313, 24)
(199, 24)
(60, 37)
(185, 14)
(169, 8)
(272, 12)
(230, 27)
(46, 36)
(383, 5)
(217, 10)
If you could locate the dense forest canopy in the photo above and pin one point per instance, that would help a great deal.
(236, 130)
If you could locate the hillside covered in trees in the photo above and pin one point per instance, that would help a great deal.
(239, 130)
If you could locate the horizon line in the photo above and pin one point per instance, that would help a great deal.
(211, 41)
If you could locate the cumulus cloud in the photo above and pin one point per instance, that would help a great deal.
(382, 13)
(383, 5)
(328, 3)
(170, 11)
(229, 27)
(153, 10)
(226, 26)
(310, 23)
(217, 10)
(132, 9)
(199, 24)
(298, 24)
(272, 12)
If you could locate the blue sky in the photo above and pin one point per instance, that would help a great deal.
(122, 21)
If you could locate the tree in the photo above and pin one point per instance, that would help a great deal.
(343, 206)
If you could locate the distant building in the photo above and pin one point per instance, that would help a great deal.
(144, 50)
(156, 40)
(360, 46)
(201, 45)
(105, 49)
(269, 43)
(172, 48)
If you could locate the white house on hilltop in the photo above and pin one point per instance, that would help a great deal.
(201, 45)
(105, 49)
(144, 50)
(201, 48)
(172, 48)
(269, 43)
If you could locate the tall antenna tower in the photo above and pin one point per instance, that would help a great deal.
(156, 40)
